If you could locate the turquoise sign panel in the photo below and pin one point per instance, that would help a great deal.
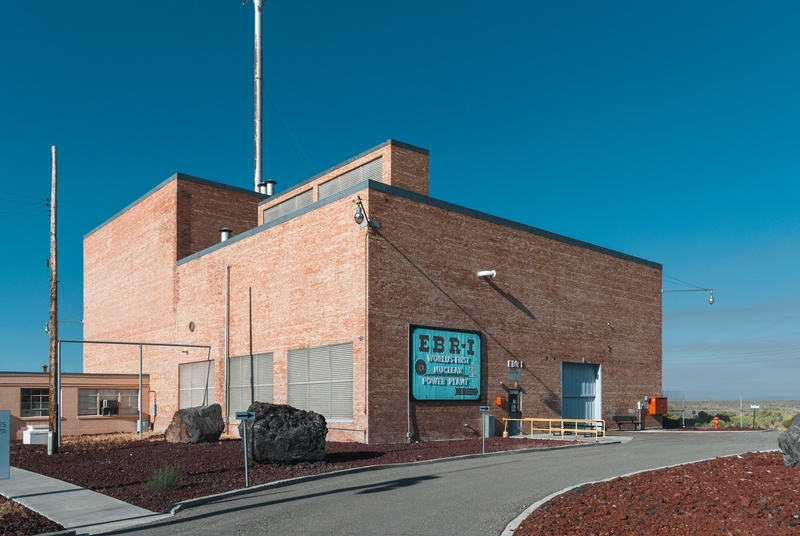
(445, 364)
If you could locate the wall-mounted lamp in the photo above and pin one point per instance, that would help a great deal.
(709, 290)
(362, 218)
(487, 273)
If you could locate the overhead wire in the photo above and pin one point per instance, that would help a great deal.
(15, 208)
(289, 135)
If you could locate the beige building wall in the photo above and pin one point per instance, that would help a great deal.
(12, 383)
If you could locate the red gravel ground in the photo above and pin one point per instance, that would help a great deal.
(749, 494)
(117, 467)
(752, 494)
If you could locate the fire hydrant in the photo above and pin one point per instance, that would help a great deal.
(716, 422)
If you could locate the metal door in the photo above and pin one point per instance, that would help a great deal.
(580, 391)
(514, 411)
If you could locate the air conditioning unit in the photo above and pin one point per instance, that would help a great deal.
(110, 404)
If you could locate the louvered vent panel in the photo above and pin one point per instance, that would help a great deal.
(305, 199)
(342, 362)
(370, 171)
(272, 213)
(297, 363)
(298, 395)
(327, 189)
(350, 178)
(264, 393)
(341, 401)
(373, 171)
(318, 364)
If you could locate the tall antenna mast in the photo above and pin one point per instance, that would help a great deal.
(259, 6)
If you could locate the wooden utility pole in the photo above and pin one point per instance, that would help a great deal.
(53, 409)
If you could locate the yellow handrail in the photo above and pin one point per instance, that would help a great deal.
(591, 426)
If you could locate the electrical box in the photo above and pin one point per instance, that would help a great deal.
(658, 405)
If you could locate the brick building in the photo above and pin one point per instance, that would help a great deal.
(384, 328)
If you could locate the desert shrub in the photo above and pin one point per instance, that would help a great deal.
(670, 420)
(164, 479)
(787, 421)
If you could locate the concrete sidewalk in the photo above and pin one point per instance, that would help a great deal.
(78, 509)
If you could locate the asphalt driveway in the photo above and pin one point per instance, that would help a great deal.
(475, 495)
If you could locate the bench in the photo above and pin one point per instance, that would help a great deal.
(626, 419)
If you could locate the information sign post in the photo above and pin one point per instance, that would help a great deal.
(245, 416)
(484, 416)
(5, 444)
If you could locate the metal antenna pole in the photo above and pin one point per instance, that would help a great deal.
(53, 409)
(259, 6)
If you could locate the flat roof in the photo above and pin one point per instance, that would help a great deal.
(173, 177)
(419, 198)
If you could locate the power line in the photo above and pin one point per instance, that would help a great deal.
(675, 280)
(287, 131)
(20, 195)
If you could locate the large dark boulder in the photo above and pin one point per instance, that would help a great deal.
(201, 424)
(283, 434)
(789, 443)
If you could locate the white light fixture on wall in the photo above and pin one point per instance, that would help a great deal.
(487, 273)
(709, 290)
(361, 217)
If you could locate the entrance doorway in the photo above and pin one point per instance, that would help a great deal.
(580, 391)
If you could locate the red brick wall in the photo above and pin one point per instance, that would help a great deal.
(203, 210)
(131, 279)
(303, 282)
(306, 289)
(551, 302)
(402, 167)
(129, 267)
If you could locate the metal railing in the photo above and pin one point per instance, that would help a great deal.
(562, 426)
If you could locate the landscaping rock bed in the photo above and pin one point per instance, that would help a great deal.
(749, 494)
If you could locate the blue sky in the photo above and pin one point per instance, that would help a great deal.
(668, 131)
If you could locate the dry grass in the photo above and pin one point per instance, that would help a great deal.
(110, 440)
(10, 509)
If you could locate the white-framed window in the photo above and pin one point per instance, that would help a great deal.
(35, 402)
(321, 380)
(108, 401)
(249, 379)
(196, 384)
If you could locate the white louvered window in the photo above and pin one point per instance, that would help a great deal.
(249, 379)
(290, 205)
(196, 384)
(372, 171)
(321, 380)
